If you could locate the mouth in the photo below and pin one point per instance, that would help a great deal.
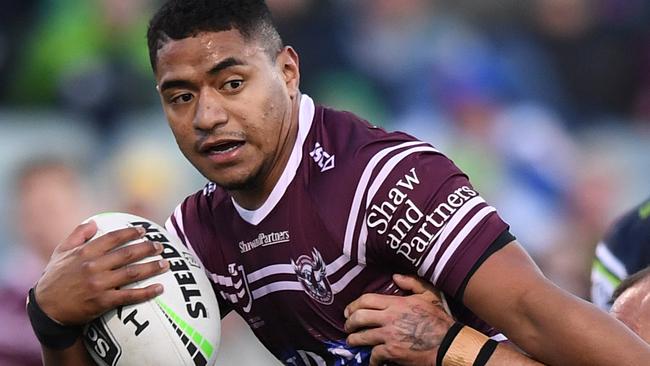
(221, 147)
(222, 151)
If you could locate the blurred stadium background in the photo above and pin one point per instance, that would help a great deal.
(544, 103)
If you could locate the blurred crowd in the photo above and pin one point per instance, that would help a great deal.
(544, 103)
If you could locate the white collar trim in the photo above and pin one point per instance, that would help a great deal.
(305, 119)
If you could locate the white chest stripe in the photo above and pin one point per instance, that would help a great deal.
(276, 269)
(270, 271)
(341, 284)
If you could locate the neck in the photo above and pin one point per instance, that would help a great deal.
(254, 197)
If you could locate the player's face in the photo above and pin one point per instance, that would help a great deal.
(230, 105)
(633, 308)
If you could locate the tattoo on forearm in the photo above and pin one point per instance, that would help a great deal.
(418, 329)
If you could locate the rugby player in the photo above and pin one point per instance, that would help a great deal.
(624, 250)
(310, 208)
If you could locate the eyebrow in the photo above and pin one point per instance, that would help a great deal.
(224, 64)
(219, 67)
(169, 84)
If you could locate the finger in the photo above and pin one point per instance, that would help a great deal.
(121, 297)
(114, 239)
(129, 254)
(370, 301)
(81, 234)
(417, 286)
(132, 273)
(364, 318)
(368, 337)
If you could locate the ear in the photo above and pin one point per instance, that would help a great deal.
(289, 64)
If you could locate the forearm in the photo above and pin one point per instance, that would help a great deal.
(546, 322)
(76, 355)
(575, 324)
(508, 356)
(465, 346)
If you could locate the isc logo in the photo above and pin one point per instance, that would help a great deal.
(324, 160)
(99, 339)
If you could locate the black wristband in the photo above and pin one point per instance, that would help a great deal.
(50, 333)
(486, 352)
(447, 341)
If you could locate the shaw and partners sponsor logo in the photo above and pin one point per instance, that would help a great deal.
(264, 240)
(424, 228)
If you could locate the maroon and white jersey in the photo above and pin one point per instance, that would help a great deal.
(354, 205)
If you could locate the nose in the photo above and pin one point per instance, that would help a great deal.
(210, 111)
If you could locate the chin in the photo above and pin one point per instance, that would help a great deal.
(242, 183)
(237, 185)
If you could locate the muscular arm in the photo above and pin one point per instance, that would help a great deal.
(510, 293)
(508, 356)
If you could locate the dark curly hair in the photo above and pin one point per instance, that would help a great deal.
(178, 19)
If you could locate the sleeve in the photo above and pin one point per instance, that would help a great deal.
(423, 217)
(175, 224)
(607, 272)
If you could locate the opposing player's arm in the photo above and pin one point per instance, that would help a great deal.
(509, 292)
(409, 330)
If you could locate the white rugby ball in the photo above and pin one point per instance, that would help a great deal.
(180, 327)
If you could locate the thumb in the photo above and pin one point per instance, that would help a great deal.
(79, 235)
(417, 286)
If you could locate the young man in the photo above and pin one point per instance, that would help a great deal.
(309, 208)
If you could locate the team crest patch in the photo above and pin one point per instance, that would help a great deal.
(312, 273)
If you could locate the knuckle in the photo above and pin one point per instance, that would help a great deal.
(127, 297)
(366, 298)
(153, 268)
(88, 267)
(391, 351)
(386, 333)
(103, 303)
(128, 253)
(131, 271)
(134, 296)
(113, 236)
(94, 285)
(121, 236)
(347, 326)
(152, 246)
(83, 251)
(360, 317)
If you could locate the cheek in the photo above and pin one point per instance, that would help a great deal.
(644, 324)
(181, 133)
(266, 128)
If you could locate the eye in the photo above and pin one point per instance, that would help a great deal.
(233, 85)
(182, 98)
